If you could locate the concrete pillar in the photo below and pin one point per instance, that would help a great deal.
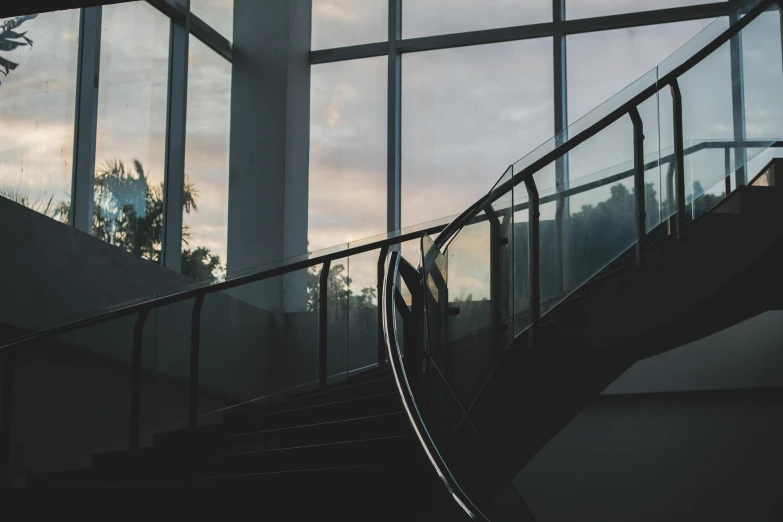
(270, 141)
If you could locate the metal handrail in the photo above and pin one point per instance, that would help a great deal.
(562, 149)
(184, 295)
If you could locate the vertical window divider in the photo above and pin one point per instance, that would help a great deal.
(562, 211)
(176, 121)
(393, 155)
(86, 118)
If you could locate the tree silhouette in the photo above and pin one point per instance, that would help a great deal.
(339, 295)
(10, 39)
(128, 213)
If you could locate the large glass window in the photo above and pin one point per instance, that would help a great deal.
(467, 114)
(347, 195)
(38, 60)
(603, 63)
(205, 217)
(338, 23)
(131, 132)
(431, 17)
(592, 8)
(217, 13)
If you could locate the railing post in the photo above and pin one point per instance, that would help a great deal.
(679, 157)
(727, 168)
(534, 259)
(494, 274)
(381, 341)
(738, 100)
(323, 308)
(135, 405)
(7, 417)
(195, 353)
(638, 178)
(670, 196)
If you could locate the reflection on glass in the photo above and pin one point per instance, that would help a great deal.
(706, 115)
(363, 310)
(431, 17)
(761, 81)
(131, 133)
(205, 219)
(591, 8)
(337, 296)
(603, 63)
(38, 58)
(347, 194)
(217, 13)
(339, 23)
(467, 113)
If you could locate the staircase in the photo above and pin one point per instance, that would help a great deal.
(478, 387)
(588, 341)
(340, 450)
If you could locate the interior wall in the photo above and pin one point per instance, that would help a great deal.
(52, 272)
(710, 452)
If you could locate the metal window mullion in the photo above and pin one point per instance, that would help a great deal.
(562, 210)
(175, 145)
(515, 33)
(393, 155)
(86, 118)
(179, 11)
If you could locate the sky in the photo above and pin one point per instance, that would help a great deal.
(467, 113)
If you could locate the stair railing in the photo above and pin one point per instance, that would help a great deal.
(141, 310)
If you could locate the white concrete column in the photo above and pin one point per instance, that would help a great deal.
(270, 138)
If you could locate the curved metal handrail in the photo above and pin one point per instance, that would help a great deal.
(391, 273)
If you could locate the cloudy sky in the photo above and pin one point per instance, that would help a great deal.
(467, 113)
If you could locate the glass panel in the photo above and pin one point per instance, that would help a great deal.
(591, 8)
(653, 173)
(431, 17)
(521, 260)
(205, 219)
(704, 37)
(584, 231)
(165, 375)
(257, 341)
(468, 355)
(465, 117)
(457, 440)
(38, 59)
(217, 13)
(71, 400)
(601, 64)
(707, 115)
(471, 290)
(337, 318)
(363, 310)
(347, 195)
(300, 329)
(339, 23)
(131, 133)
(761, 56)
(469, 459)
